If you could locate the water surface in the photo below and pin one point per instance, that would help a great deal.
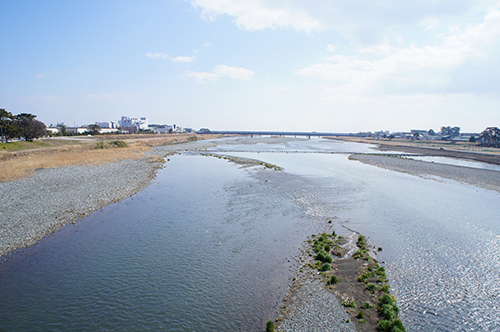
(210, 246)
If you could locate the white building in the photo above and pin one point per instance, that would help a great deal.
(53, 130)
(140, 123)
(163, 129)
(77, 130)
(107, 124)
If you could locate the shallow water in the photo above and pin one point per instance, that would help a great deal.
(458, 162)
(210, 246)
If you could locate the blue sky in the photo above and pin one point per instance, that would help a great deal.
(333, 65)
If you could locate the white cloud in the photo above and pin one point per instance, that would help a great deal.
(219, 72)
(234, 72)
(258, 14)
(202, 77)
(161, 56)
(410, 69)
(330, 48)
(42, 75)
(164, 56)
(184, 59)
(360, 21)
(430, 23)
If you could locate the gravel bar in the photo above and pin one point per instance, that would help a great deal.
(34, 207)
(482, 178)
(310, 306)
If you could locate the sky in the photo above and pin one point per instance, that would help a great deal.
(316, 65)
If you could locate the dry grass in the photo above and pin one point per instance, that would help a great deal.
(20, 165)
(16, 164)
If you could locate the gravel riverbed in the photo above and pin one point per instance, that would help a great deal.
(34, 207)
(482, 178)
(310, 306)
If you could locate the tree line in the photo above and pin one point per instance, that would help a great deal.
(490, 136)
(22, 125)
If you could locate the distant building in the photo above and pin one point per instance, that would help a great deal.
(163, 129)
(77, 130)
(53, 130)
(140, 123)
(108, 130)
(108, 124)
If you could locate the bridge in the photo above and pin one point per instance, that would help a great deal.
(275, 133)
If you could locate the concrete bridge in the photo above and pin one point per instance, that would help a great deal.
(276, 133)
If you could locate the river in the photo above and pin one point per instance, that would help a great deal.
(210, 245)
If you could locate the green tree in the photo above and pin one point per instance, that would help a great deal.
(94, 129)
(451, 131)
(63, 129)
(491, 136)
(8, 127)
(28, 127)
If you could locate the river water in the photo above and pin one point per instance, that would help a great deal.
(210, 245)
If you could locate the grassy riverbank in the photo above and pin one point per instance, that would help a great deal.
(21, 159)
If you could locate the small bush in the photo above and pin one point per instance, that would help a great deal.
(325, 267)
(333, 280)
(388, 326)
(109, 145)
(366, 305)
(327, 248)
(118, 144)
(360, 315)
(270, 326)
(324, 257)
(387, 299)
(100, 145)
(371, 287)
(385, 288)
(397, 326)
(389, 312)
(382, 279)
(349, 303)
(384, 325)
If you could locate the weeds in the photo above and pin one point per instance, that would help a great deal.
(333, 280)
(371, 287)
(349, 304)
(325, 267)
(324, 257)
(270, 326)
(366, 305)
(110, 145)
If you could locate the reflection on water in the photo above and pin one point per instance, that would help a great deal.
(210, 246)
